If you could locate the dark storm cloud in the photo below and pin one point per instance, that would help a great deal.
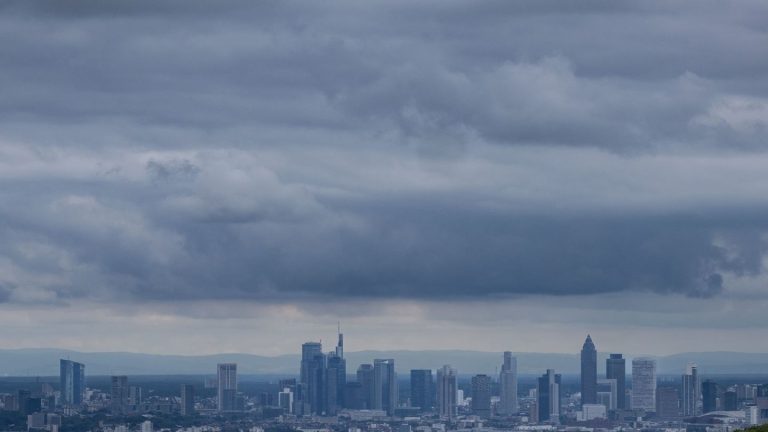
(620, 77)
(161, 150)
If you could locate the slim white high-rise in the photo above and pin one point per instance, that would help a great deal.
(644, 384)
(447, 392)
(508, 385)
(227, 386)
(690, 391)
(384, 385)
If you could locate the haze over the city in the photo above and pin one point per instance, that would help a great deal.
(187, 177)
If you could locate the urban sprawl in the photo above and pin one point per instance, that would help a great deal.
(326, 398)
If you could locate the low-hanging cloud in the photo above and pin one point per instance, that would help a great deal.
(432, 151)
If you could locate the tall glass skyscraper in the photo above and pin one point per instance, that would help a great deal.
(422, 389)
(365, 378)
(481, 395)
(616, 368)
(311, 379)
(508, 385)
(447, 392)
(72, 381)
(227, 387)
(119, 394)
(689, 393)
(588, 372)
(709, 396)
(384, 385)
(187, 399)
(667, 403)
(549, 396)
(335, 379)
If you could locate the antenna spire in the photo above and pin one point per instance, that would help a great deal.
(340, 344)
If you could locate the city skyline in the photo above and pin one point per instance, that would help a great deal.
(322, 387)
(324, 375)
(383, 216)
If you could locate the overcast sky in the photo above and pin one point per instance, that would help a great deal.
(199, 177)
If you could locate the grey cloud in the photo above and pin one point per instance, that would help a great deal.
(243, 233)
(5, 293)
(641, 78)
(182, 170)
(438, 150)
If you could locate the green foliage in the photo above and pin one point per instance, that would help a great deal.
(13, 421)
(280, 428)
(81, 423)
(761, 428)
(92, 422)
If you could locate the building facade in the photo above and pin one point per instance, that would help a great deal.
(588, 372)
(365, 378)
(548, 396)
(709, 396)
(119, 394)
(616, 369)
(72, 382)
(187, 399)
(481, 395)
(667, 403)
(226, 378)
(644, 384)
(690, 390)
(384, 386)
(422, 389)
(447, 392)
(508, 404)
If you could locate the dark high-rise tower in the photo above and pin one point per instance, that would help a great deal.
(311, 379)
(340, 344)
(187, 399)
(481, 395)
(72, 381)
(709, 396)
(335, 379)
(119, 394)
(421, 389)
(588, 372)
(365, 378)
(549, 396)
(667, 403)
(616, 368)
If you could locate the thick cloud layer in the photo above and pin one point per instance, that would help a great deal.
(239, 150)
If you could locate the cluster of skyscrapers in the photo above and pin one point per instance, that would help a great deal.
(690, 398)
(324, 388)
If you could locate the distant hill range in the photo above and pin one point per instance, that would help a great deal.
(45, 362)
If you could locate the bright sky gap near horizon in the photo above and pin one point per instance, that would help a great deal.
(234, 176)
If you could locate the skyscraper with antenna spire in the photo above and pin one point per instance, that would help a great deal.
(336, 377)
(588, 372)
(340, 343)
